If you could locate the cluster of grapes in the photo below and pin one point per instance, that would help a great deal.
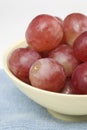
(56, 56)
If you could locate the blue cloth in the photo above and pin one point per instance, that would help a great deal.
(18, 112)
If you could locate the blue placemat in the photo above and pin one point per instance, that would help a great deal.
(18, 112)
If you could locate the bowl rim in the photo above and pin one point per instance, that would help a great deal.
(13, 77)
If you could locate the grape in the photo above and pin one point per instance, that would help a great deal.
(44, 54)
(56, 56)
(68, 88)
(61, 23)
(44, 33)
(79, 79)
(65, 56)
(20, 61)
(80, 47)
(74, 25)
(60, 20)
(47, 74)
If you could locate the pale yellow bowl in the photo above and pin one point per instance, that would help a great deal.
(63, 106)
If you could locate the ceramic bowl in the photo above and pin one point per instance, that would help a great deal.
(69, 107)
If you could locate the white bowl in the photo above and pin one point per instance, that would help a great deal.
(63, 106)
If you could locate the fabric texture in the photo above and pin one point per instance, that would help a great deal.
(18, 112)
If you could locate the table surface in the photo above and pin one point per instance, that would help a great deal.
(16, 15)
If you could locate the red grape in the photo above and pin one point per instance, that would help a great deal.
(80, 47)
(56, 56)
(47, 74)
(79, 79)
(44, 54)
(20, 61)
(44, 33)
(60, 20)
(65, 56)
(74, 25)
(68, 88)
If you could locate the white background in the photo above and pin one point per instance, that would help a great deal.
(15, 16)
